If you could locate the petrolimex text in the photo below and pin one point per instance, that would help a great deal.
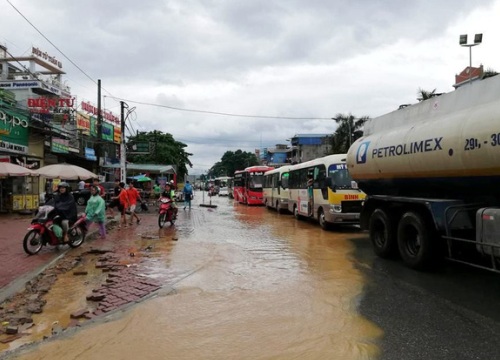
(414, 147)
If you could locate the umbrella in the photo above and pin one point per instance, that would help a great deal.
(144, 179)
(8, 169)
(66, 172)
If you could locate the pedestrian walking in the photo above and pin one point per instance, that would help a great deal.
(188, 195)
(124, 203)
(115, 199)
(102, 191)
(96, 210)
(133, 196)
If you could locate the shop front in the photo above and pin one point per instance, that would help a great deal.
(17, 192)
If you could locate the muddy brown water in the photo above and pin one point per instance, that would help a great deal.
(248, 284)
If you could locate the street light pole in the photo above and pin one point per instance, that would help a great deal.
(478, 39)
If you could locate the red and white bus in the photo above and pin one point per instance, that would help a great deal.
(248, 185)
(238, 181)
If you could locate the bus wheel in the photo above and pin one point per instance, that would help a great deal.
(382, 234)
(325, 225)
(416, 242)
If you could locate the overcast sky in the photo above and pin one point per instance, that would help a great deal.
(288, 58)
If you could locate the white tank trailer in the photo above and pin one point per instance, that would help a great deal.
(432, 175)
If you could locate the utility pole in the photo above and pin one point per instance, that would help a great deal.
(99, 152)
(123, 154)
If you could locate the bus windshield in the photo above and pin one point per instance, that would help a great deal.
(256, 180)
(340, 176)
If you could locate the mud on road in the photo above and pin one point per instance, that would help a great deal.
(98, 278)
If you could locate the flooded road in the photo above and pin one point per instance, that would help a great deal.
(239, 283)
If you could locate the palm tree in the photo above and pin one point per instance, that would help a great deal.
(489, 73)
(425, 94)
(348, 131)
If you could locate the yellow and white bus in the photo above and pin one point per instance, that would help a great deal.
(332, 198)
(275, 189)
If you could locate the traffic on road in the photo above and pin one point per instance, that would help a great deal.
(237, 281)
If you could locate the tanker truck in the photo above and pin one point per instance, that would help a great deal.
(431, 172)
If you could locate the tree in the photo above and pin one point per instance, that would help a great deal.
(425, 94)
(489, 73)
(348, 131)
(162, 148)
(232, 161)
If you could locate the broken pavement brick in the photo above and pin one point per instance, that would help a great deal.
(80, 272)
(78, 314)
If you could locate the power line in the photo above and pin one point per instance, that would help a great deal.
(219, 113)
(159, 105)
(51, 43)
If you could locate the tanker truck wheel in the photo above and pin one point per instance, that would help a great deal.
(383, 234)
(416, 242)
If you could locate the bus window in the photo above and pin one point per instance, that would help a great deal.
(340, 176)
(284, 181)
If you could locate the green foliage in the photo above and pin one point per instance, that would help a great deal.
(489, 73)
(232, 161)
(348, 131)
(425, 94)
(162, 149)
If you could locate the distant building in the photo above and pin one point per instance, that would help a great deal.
(469, 74)
(304, 147)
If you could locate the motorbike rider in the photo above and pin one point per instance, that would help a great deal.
(168, 192)
(65, 207)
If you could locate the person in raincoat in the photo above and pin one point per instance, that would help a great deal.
(65, 206)
(96, 210)
(188, 195)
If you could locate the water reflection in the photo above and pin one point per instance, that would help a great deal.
(250, 284)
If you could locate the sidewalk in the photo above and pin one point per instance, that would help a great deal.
(17, 267)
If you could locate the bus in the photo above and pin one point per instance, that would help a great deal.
(275, 192)
(222, 184)
(238, 182)
(230, 186)
(335, 198)
(250, 184)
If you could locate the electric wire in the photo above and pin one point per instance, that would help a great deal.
(159, 105)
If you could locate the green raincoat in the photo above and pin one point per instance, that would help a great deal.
(96, 209)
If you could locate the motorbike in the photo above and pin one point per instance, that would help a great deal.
(167, 212)
(45, 229)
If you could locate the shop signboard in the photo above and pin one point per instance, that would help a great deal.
(90, 154)
(107, 131)
(117, 135)
(93, 126)
(60, 146)
(83, 123)
(13, 132)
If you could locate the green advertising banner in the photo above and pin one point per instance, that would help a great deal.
(93, 126)
(60, 146)
(108, 131)
(13, 131)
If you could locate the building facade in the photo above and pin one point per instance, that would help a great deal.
(43, 123)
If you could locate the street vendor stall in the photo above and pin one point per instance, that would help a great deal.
(18, 190)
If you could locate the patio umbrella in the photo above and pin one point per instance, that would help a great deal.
(8, 169)
(144, 179)
(66, 172)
